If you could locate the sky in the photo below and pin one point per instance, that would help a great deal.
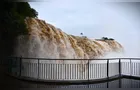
(118, 20)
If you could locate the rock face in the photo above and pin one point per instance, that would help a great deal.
(46, 41)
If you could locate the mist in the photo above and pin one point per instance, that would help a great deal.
(123, 25)
(117, 20)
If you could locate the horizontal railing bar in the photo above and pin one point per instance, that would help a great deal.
(77, 59)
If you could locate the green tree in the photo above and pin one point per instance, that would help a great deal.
(12, 22)
(104, 38)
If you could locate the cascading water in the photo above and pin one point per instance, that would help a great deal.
(46, 41)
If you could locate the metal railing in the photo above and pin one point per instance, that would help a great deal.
(60, 70)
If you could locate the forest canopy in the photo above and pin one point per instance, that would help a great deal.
(12, 23)
(12, 18)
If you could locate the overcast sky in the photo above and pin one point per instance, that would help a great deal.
(120, 21)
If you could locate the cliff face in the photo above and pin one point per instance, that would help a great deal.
(45, 40)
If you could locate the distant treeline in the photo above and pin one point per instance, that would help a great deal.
(106, 38)
(12, 24)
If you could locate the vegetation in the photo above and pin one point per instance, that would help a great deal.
(111, 39)
(12, 21)
(105, 38)
(12, 17)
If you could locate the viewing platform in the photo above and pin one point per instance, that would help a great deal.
(68, 71)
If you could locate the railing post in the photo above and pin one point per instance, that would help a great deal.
(107, 72)
(88, 72)
(20, 66)
(131, 72)
(119, 67)
(130, 67)
(38, 69)
(119, 73)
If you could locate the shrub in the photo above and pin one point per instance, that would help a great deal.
(104, 38)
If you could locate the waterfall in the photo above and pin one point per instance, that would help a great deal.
(47, 41)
